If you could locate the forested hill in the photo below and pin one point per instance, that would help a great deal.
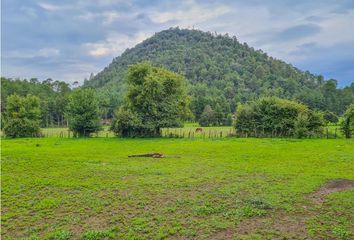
(221, 72)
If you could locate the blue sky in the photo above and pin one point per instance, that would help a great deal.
(68, 39)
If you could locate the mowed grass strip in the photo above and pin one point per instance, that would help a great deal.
(59, 188)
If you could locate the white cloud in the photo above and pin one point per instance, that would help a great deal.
(192, 13)
(336, 28)
(114, 44)
(51, 7)
(43, 52)
(110, 16)
(48, 52)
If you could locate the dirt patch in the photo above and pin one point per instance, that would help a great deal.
(337, 185)
(93, 222)
(278, 224)
(292, 225)
(224, 234)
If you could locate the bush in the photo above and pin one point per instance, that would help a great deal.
(347, 122)
(83, 112)
(301, 124)
(271, 116)
(22, 116)
(126, 123)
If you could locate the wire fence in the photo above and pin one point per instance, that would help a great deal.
(330, 132)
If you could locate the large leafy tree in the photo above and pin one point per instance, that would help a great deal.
(22, 116)
(83, 112)
(156, 98)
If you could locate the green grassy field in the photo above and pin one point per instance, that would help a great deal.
(60, 188)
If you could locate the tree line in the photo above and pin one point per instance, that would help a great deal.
(52, 95)
(157, 98)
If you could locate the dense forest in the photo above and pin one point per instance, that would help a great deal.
(52, 94)
(221, 73)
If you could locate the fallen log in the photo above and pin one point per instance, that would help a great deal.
(152, 155)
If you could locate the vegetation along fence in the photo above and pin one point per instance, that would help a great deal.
(330, 132)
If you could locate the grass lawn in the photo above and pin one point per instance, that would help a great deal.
(64, 188)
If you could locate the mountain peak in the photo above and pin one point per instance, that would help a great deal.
(216, 66)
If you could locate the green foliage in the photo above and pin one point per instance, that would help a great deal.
(126, 123)
(316, 123)
(83, 113)
(300, 127)
(347, 122)
(52, 95)
(330, 117)
(156, 99)
(221, 70)
(208, 117)
(22, 116)
(273, 116)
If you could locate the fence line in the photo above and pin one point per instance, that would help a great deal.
(204, 133)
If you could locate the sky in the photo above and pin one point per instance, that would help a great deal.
(69, 39)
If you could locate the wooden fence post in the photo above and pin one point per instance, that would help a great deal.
(327, 132)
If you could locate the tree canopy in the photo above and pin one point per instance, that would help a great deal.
(52, 95)
(83, 112)
(156, 98)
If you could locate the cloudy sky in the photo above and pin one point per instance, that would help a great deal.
(69, 39)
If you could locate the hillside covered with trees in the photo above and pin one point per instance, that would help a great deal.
(221, 72)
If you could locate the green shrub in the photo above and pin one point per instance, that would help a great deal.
(271, 116)
(22, 116)
(347, 122)
(301, 124)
